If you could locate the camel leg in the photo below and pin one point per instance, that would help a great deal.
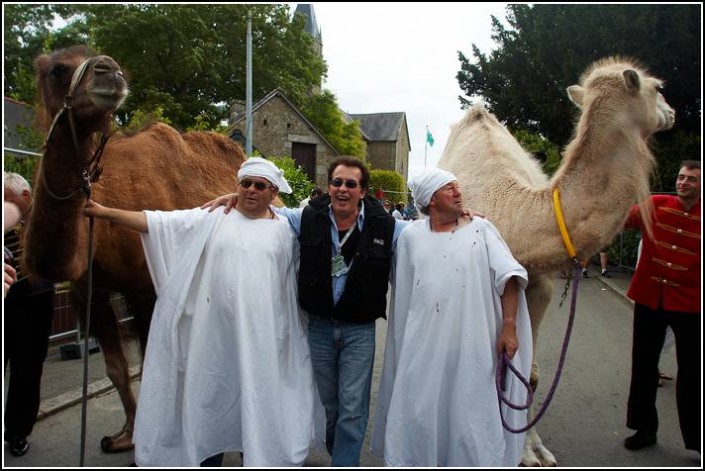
(141, 307)
(538, 297)
(105, 328)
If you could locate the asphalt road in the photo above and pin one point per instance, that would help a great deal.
(584, 426)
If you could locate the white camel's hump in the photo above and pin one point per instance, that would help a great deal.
(491, 156)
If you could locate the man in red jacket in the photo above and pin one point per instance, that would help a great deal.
(666, 291)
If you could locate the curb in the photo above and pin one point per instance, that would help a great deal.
(64, 401)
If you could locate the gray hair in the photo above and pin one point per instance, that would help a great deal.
(16, 183)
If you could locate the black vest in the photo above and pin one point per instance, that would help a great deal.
(365, 296)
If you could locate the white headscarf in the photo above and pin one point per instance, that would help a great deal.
(425, 184)
(259, 167)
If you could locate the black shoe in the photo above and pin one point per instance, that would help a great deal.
(585, 273)
(19, 446)
(605, 274)
(639, 440)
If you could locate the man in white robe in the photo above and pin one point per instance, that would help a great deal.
(458, 302)
(227, 366)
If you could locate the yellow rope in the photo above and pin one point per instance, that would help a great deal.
(561, 223)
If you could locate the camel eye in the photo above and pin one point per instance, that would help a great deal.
(59, 71)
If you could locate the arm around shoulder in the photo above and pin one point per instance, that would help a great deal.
(135, 220)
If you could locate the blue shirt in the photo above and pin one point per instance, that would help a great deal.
(294, 218)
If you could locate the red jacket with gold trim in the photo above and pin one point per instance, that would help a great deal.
(669, 267)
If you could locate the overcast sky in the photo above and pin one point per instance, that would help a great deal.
(385, 57)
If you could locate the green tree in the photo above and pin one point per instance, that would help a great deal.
(547, 46)
(184, 62)
(323, 112)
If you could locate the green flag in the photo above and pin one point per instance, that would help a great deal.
(429, 137)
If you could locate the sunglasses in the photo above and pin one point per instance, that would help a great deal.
(259, 185)
(338, 182)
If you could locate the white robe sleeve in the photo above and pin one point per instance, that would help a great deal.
(173, 248)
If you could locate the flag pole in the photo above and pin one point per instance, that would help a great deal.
(425, 149)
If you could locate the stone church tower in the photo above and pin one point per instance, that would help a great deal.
(312, 28)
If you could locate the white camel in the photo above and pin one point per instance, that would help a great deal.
(605, 170)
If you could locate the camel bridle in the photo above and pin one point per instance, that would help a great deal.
(92, 169)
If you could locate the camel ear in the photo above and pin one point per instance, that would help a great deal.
(576, 93)
(632, 79)
(41, 64)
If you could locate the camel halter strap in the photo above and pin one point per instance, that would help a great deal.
(505, 363)
(92, 170)
(561, 223)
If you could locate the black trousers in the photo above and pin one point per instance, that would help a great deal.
(649, 332)
(26, 340)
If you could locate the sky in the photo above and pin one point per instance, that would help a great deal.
(403, 57)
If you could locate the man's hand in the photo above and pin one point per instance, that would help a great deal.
(229, 201)
(9, 277)
(94, 209)
(471, 213)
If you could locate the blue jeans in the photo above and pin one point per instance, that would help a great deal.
(342, 354)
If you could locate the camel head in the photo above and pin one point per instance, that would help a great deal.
(634, 97)
(96, 84)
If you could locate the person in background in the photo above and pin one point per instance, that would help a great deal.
(29, 309)
(666, 289)
(603, 265)
(458, 305)
(316, 192)
(387, 206)
(396, 214)
(12, 216)
(227, 366)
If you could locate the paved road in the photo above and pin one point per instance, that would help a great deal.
(584, 427)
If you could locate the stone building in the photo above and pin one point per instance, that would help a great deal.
(387, 138)
(280, 129)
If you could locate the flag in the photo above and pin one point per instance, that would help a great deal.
(429, 137)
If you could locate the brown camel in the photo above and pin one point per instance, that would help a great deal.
(157, 168)
(605, 170)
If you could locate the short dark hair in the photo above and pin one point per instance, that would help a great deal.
(691, 164)
(349, 161)
(317, 191)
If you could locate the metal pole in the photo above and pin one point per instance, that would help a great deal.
(425, 149)
(248, 97)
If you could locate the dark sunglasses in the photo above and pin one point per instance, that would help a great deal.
(338, 182)
(259, 185)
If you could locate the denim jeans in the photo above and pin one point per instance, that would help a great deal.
(215, 461)
(342, 354)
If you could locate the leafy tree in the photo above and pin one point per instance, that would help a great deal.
(188, 60)
(185, 63)
(323, 112)
(548, 46)
(298, 181)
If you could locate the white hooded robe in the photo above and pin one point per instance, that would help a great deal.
(437, 402)
(227, 366)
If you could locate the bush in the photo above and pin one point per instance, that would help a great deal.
(298, 181)
(392, 183)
